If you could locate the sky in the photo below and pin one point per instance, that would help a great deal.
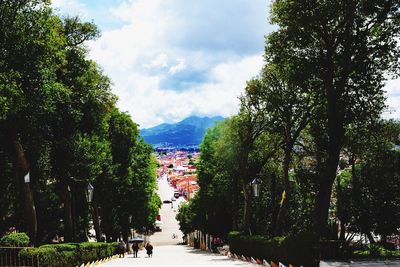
(169, 59)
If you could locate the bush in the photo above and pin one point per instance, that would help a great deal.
(62, 247)
(91, 251)
(15, 240)
(69, 254)
(296, 250)
(376, 251)
(45, 256)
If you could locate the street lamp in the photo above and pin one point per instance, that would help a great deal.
(256, 185)
(89, 193)
(27, 178)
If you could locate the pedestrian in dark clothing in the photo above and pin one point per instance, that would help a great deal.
(149, 250)
(121, 248)
(135, 248)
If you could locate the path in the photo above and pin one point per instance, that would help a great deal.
(167, 252)
(177, 256)
(170, 224)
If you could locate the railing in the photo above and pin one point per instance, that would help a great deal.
(9, 256)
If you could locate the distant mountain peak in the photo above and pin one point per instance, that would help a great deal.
(189, 131)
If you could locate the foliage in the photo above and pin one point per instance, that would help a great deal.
(343, 50)
(15, 240)
(366, 198)
(376, 251)
(58, 121)
(46, 256)
(69, 254)
(315, 106)
(185, 218)
(297, 250)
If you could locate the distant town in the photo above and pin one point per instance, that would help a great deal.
(179, 168)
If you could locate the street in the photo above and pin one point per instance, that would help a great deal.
(170, 225)
(177, 256)
(167, 252)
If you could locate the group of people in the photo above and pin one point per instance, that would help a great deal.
(135, 248)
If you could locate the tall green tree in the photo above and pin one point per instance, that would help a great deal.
(289, 107)
(31, 52)
(58, 122)
(348, 48)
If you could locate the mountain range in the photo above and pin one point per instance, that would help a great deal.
(187, 132)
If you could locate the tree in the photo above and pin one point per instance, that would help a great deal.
(32, 51)
(58, 122)
(366, 202)
(185, 217)
(348, 47)
(289, 107)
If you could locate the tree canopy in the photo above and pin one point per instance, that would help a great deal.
(59, 123)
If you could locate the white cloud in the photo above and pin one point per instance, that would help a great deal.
(160, 61)
(172, 58)
(393, 99)
(150, 105)
(180, 66)
(393, 87)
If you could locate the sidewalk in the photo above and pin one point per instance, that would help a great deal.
(177, 256)
(372, 263)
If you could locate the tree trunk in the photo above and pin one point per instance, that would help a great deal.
(246, 209)
(335, 132)
(235, 204)
(327, 180)
(324, 193)
(273, 201)
(285, 201)
(21, 169)
(342, 231)
(96, 221)
(126, 240)
(68, 223)
(370, 237)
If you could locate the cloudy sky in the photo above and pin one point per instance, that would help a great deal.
(169, 59)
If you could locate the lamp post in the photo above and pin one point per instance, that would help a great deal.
(89, 193)
(89, 197)
(256, 185)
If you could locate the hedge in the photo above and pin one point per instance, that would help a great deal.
(15, 240)
(376, 251)
(296, 250)
(69, 254)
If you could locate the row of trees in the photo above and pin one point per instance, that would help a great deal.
(59, 123)
(313, 112)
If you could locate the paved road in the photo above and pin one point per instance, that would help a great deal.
(170, 224)
(177, 256)
(167, 252)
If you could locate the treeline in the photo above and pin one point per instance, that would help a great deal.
(59, 123)
(309, 131)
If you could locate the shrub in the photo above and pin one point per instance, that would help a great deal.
(15, 240)
(296, 250)
(45, 256)
(62, 247)
(69, 254)
(376, 251)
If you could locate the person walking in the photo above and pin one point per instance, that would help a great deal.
(121, 248)
(135, 248)
(149, 250)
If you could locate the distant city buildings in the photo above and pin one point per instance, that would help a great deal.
(179, 168)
